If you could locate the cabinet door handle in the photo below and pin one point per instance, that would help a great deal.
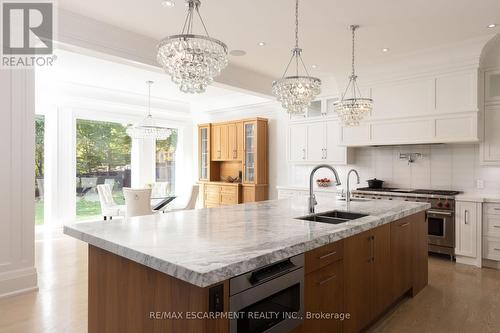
(404, 224)
(496, 249)
(327, 279)
(496, 226)
(466, 214)
(373, 248)
(327, 255)
(326, 153)
(303, 154)
(496, 208)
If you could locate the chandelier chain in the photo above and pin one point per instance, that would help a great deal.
(297, 24)
(353, 50)
(149, 97)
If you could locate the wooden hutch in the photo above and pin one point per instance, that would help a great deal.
(233, 149)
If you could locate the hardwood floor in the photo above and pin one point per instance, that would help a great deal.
(60, 305)
(458, 298)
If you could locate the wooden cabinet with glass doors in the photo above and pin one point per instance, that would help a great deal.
(233, 155)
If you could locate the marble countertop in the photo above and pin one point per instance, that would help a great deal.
(207, 246)
(479, 196)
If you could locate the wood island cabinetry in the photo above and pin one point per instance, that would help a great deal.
(233, 149)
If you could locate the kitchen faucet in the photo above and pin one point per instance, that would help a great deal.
(312, 197)
(348, 194)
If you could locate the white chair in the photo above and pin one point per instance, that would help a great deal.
(159, 189)
(191, 204)
(109, 208)
(110, 181)
(138, 201)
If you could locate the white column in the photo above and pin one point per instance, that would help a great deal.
(17, 198)
(143, 162)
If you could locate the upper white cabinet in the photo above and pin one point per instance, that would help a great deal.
(437, 108)
(490, 147)
(316, 141)
(492, 86)
(316, 145)
(297, 142)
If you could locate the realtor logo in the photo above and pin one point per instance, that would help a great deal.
(27, 29)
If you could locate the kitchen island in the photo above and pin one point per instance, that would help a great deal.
(151, 273)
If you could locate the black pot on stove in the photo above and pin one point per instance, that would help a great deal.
(375, 183)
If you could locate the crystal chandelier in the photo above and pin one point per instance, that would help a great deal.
(146, 129)
(192, 60)
(352, 110)
(296, 92)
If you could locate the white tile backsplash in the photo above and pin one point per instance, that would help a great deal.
(447, 166)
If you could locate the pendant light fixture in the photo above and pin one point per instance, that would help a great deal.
(146, 129)
(192, 60)
(351, 110)
(296, 92)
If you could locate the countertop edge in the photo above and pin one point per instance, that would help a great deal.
(209, 278)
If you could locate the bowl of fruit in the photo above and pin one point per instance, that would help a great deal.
(323, 182)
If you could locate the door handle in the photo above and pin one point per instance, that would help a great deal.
(466, 214)
(303, 154)
(437, 212)
(404, 224)
(327, 279)
(327, 255)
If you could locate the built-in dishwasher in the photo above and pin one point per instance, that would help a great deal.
(269, 299)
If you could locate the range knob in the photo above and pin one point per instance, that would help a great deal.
(439, 204)
(446, 204)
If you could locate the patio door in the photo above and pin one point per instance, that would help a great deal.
(103, 151)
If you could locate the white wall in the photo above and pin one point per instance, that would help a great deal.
(446, 166)
(17, 271)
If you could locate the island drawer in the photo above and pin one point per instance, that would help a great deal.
(323, 256)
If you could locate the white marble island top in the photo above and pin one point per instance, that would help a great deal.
(207, 246)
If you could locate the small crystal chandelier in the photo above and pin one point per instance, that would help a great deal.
(192, 60)
(146, 129)
(352, 110)
(296, 92)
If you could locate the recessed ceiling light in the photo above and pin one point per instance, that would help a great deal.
(385, 49)
(262, 43)
(314, 66)
(492, 25)
(237, 53)
(167, 3)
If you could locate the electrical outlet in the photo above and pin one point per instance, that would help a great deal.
(480, 184)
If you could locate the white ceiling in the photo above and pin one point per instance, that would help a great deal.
(97, 73)
(403, 26)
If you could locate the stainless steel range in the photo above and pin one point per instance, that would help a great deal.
(440, 218)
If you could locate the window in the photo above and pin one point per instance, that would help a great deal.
(39, 168)
(165, 161)
(102, 157)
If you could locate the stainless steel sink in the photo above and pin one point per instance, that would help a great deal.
(333, 217)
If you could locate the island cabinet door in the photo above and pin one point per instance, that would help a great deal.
(367, 277)
(358, 281)
(382, 269)
(420, 266)
(324, 295)
(401, 254)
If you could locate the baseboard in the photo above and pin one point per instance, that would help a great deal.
(491, 264)
(18, 282)
(468, 261)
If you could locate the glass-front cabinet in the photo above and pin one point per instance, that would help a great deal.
(250, 148)
(203, 134)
